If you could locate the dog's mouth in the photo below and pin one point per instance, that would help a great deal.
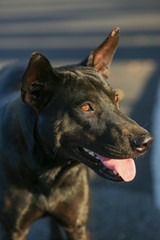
(117, 170)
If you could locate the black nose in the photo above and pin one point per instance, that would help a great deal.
(141, 143)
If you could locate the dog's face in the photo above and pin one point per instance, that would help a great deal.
(79, 113)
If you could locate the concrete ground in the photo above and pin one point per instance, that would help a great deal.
(66, 31)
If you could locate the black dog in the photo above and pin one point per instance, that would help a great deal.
(70, 120)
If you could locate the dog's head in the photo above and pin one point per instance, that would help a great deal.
(78, 113)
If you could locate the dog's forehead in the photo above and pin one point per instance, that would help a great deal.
(85, 78)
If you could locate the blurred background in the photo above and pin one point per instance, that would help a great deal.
(66, 32)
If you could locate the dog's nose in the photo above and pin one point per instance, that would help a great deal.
(141, 143)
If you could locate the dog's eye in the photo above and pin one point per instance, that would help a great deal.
(86, 107)
(116, 98)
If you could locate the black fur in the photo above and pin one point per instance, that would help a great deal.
(43, 164)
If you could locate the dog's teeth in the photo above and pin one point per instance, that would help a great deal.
(85, 149)
(91, 153)
(97, 157)
(114, 172)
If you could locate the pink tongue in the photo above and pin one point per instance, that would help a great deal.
(125, 167)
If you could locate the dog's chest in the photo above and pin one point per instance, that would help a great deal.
(48, 195)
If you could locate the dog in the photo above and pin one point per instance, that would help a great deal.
(57, 124)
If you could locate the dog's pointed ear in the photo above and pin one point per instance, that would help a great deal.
(37, 82)
(101, 57)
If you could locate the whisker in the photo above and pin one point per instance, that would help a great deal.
(54, 152)
(146, 124)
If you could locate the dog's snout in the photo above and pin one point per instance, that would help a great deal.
(141, 143)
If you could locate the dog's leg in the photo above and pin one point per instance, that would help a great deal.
(80, 233)
(78, 230)
(79, 210)
(17, 219)
(72, 208)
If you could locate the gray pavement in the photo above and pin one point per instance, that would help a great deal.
(66, 31)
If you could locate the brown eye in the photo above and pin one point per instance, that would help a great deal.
(86, 107)
(116, 98)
